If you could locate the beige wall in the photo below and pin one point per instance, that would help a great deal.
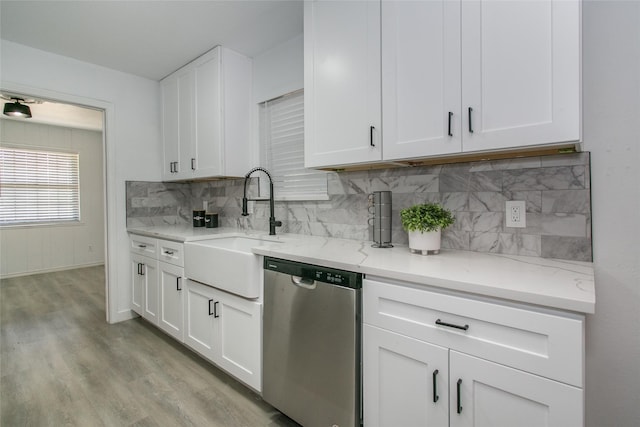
(35, 249)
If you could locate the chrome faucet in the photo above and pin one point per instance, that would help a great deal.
(272, 219)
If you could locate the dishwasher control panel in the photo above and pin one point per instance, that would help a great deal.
(332, 277)
(315, 272)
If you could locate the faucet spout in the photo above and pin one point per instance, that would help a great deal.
(273, 223)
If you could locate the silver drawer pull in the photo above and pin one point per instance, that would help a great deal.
(169, 252)
(142, 246)
(451, 325)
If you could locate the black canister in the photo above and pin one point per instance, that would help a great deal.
(380, 207)
(211, 220)
(198, 218)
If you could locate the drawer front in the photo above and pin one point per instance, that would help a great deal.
(171, 252)
(547, 344)
(147, 246)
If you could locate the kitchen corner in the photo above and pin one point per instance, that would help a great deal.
(507, 321)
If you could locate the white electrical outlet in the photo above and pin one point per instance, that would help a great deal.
(515, 214)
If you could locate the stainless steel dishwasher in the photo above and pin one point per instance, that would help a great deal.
(312, 343)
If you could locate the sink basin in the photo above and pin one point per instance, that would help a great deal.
(236, 244)
(226, 263)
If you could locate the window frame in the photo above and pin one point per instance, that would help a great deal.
(282, 190)
(73, 185)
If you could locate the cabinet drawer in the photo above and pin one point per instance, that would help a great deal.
(143, 245)
(542, 342)
(171, 252)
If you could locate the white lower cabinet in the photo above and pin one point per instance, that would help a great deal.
(154, 264)
(171, 282)
(225, 329)
(137, 283)
(436, 359)
(405, 380)
(144, 301)
(490, 394)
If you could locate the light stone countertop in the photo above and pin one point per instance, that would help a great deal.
(559, 284)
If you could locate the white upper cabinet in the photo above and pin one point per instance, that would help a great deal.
(206, 117)
(520, 73)
(207, 147)
(399, 80)
(342, 82)
(420, 78)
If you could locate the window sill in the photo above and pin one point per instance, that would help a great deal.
(44, 224)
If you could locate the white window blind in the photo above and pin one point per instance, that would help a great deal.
(38, 186)
(282, 150)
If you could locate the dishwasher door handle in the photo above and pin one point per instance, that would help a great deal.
(303, 283)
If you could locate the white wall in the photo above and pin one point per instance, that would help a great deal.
(132, 107)
(611, 102)
(279, 70)
(41, 248)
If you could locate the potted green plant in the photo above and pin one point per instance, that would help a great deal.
(424, 223)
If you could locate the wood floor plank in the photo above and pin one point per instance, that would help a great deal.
(62, 364)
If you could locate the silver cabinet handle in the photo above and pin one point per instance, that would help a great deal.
(169, 252)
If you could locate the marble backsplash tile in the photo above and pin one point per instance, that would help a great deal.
(555, 189)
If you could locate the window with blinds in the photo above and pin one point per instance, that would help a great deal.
(38, 187)
(282, 150)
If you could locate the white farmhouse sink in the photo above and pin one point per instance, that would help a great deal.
(226, 263)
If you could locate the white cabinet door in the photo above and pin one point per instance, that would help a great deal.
(238, 338)
(186, 123)
(199, 306)
(226, 329)
(208, 154)
(170, 127)
(493, 395)
(172, 291)
(405, 380)
(520, 73)
(144, 283)
(151, 294)
(342, 82)
(177, 124)
(420, 78)
(137, 283)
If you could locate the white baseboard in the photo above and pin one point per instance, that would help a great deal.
(50, 270)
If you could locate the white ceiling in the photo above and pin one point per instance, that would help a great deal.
(149, 38)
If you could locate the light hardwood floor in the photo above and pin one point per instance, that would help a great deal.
(62, 364)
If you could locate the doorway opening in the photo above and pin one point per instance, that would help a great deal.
(65, 123)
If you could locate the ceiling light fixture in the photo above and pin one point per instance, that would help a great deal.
(16, 109)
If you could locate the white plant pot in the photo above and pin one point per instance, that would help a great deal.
(427, 242)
